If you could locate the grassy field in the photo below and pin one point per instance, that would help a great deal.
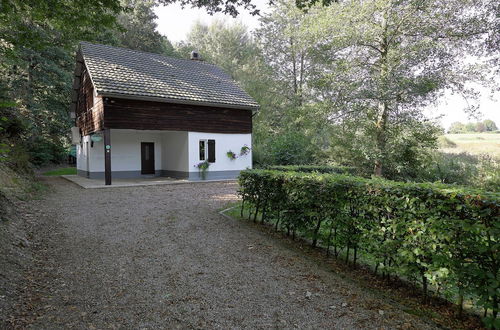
(61, 171)
(474, 143)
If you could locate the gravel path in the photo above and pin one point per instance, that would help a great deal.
(163, 257)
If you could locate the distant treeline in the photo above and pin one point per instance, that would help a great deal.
(479, 127)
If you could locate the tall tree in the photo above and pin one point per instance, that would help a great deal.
(381, 62)
(138, 29)
(285, 50)
(37, 40)
(490, 125)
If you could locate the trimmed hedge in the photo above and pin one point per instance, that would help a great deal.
(313, 168)
(439, 235)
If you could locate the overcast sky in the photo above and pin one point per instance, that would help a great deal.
(175, 23)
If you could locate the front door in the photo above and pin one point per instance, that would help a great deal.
(147, 158)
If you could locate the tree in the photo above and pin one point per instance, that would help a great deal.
(380, 62)
(470, 127)
(229, 7)
(490, 125)
(456, 128)
(285, 51)
(37, 61)
(137, 29)
(36, 64)
(480, 128)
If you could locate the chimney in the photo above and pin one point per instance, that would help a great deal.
(195, 56)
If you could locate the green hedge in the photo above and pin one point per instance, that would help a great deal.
(313, 168)
(439, 235)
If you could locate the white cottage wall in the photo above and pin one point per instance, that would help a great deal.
(223, 167)
(176, 154)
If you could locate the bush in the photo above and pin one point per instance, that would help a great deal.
(287, 149)
(44, 151)
(441, 235)
(313, 168)
(480, 171)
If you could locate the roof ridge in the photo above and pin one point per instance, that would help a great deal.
(150, 53)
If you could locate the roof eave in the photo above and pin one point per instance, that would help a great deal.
(177, 101)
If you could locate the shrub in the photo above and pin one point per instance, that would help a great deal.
(439, 234)
(480, 171)
(44, 151)
(313, 168)
(288, 149)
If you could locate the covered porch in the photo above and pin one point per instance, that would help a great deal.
(133, 154)
(125, 156)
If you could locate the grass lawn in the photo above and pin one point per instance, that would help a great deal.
(61, 171)
(475, 143)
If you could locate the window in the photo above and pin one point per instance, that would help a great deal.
(207, 150)
(203, 149)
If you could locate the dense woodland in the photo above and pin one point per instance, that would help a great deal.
(340, 83)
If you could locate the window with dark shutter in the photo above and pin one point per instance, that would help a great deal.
(211, 151)
(202, 149)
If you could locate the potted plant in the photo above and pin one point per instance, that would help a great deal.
(231, 155)
(203, 168)
(245, 150)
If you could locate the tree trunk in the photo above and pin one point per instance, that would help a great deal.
(425, 287)
(383, 106)
(294, 67)
(316, 231)
(380, 138)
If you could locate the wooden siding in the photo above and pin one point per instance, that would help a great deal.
(148, 115)
(92, 120)
(85, 93)
(89, 110)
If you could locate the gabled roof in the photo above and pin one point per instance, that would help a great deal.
(139, 75)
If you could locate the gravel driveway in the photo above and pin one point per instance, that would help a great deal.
(163, 257)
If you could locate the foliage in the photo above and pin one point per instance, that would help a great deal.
(290, 148)
(394, 58)
(229, 7)
(245, 150)
(137, 29)
(313, 168)
(484, 126)
(203, 168)
(43, 151)
(36, 70)
(441, 235)
(37, 63)
(231, 155)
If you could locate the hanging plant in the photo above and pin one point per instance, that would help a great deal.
(245, 150)
(231, 155)
(203, 168)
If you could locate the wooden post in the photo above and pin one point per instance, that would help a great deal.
(107, 157)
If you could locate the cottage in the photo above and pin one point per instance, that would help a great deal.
(140, 114)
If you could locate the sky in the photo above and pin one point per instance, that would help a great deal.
(175, 23)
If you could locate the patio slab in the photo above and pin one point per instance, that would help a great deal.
(99, 183)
